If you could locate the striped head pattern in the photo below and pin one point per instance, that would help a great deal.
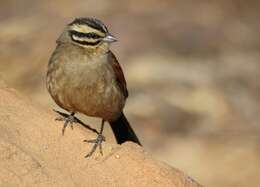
(89, 32)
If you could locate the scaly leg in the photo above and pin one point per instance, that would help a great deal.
(74, 120)
(97, 142)
(68, 119)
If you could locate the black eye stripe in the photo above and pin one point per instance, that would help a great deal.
(85, 35)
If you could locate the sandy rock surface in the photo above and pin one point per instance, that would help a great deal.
(34, 153)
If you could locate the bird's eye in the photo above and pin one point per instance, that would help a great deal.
(92, 35)
(89, 35)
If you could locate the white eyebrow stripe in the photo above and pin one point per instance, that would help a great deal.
(86, 29)
(83, 39)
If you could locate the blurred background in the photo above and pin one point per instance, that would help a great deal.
(191, 68)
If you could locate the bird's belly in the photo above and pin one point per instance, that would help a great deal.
(91, 91)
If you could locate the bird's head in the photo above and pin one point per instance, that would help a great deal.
(88, 33)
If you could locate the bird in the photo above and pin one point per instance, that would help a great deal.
(84, 76)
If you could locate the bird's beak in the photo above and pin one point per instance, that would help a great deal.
(109, 38)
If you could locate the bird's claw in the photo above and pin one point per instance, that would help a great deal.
(97, 143)
(69, 120)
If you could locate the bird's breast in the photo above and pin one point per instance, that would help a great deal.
(87, 86)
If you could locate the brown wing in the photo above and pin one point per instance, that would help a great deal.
(120, 78)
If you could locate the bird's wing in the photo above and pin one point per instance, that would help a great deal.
(120, 78)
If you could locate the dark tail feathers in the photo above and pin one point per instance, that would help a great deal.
(123, 131)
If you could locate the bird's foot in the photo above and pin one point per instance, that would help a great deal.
(75, 120)
(68, 119)
(97, 143)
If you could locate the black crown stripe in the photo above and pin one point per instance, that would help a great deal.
(91, 22)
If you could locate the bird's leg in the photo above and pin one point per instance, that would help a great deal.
(76, 120)
(97, 142)
(68, 119)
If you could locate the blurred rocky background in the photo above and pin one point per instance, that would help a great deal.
(192, 71)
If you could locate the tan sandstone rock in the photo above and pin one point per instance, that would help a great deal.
(34, 153)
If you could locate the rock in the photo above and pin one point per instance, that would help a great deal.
(33, 152)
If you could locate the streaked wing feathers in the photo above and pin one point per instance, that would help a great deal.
(119, 73)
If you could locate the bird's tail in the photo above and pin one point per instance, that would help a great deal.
(123, 131)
